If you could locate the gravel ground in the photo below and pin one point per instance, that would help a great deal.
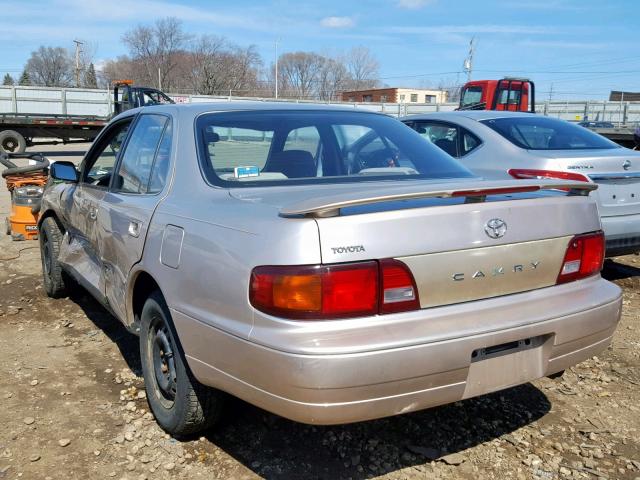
(73, 406)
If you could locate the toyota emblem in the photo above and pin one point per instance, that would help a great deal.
(495, 228)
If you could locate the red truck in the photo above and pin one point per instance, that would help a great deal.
(513, 94)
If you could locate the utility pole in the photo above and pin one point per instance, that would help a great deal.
(159, 79)
(551, 91)
(276, 58)
(468, 62)
(78, 51)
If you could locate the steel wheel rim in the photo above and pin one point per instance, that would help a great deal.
(163, 361)
(10, 145)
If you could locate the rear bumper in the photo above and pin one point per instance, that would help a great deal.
(622, 234)
(349, 387)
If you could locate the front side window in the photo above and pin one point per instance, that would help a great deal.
(281, 147)
(134, 171)
(101, 162)
(471, 96)
(536, 132)
(154, 97)
(160, 170)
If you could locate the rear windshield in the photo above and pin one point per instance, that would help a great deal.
(286, 147)
(543, 133)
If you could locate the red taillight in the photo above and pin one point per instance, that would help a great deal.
(522, 173)
(333, 291)
(584, 257)
(398, 288)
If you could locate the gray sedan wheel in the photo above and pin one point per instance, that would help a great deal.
(53, 276)
(181, 405)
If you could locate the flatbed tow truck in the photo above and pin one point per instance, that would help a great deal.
(20, 130)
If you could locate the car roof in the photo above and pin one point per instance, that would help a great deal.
(239, 105)
(477, 115)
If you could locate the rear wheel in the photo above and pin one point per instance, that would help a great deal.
(53, 277)
(12, 142)
(181, 405)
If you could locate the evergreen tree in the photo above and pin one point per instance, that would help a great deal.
(90, 80)
(24, 78)
(8, 80)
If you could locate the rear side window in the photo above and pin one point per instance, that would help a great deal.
(442, 135)
(453, 139)
(324, 146)
(134, 170)
(536, 132)
(469, 142)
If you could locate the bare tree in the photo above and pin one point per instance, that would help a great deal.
(363, 68)
(298, 73)
(158, 48)
(206, 74)
(332, 78)
(50, 66)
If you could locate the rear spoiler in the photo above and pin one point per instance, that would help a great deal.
(329, 206)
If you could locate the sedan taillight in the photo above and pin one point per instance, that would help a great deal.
(333, 291)
(522, 173)
(584, 257)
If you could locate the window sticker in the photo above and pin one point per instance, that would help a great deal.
(242, 172)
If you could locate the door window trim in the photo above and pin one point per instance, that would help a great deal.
(116, 166)
(98, 147)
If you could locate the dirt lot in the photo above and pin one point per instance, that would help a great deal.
(73, 406)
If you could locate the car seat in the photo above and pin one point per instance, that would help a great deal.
(447, 145)
(292, 163)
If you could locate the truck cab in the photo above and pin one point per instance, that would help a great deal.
(513, 94)
(126, 96)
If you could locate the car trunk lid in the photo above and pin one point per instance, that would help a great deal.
(616, 171)
(444, 231)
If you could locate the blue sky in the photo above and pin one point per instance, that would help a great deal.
(583, 47)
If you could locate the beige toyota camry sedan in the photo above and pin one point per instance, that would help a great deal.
(325, 264)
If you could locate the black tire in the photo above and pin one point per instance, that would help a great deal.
(12, 142)
(557, 375)
(50, 237)
(182, 406)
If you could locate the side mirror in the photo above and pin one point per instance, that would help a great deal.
(65, 171)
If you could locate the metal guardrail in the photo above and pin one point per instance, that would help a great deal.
(99, 103)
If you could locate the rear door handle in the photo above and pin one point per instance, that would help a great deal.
(134, 229)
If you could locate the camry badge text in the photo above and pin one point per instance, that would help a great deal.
(497, 271)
